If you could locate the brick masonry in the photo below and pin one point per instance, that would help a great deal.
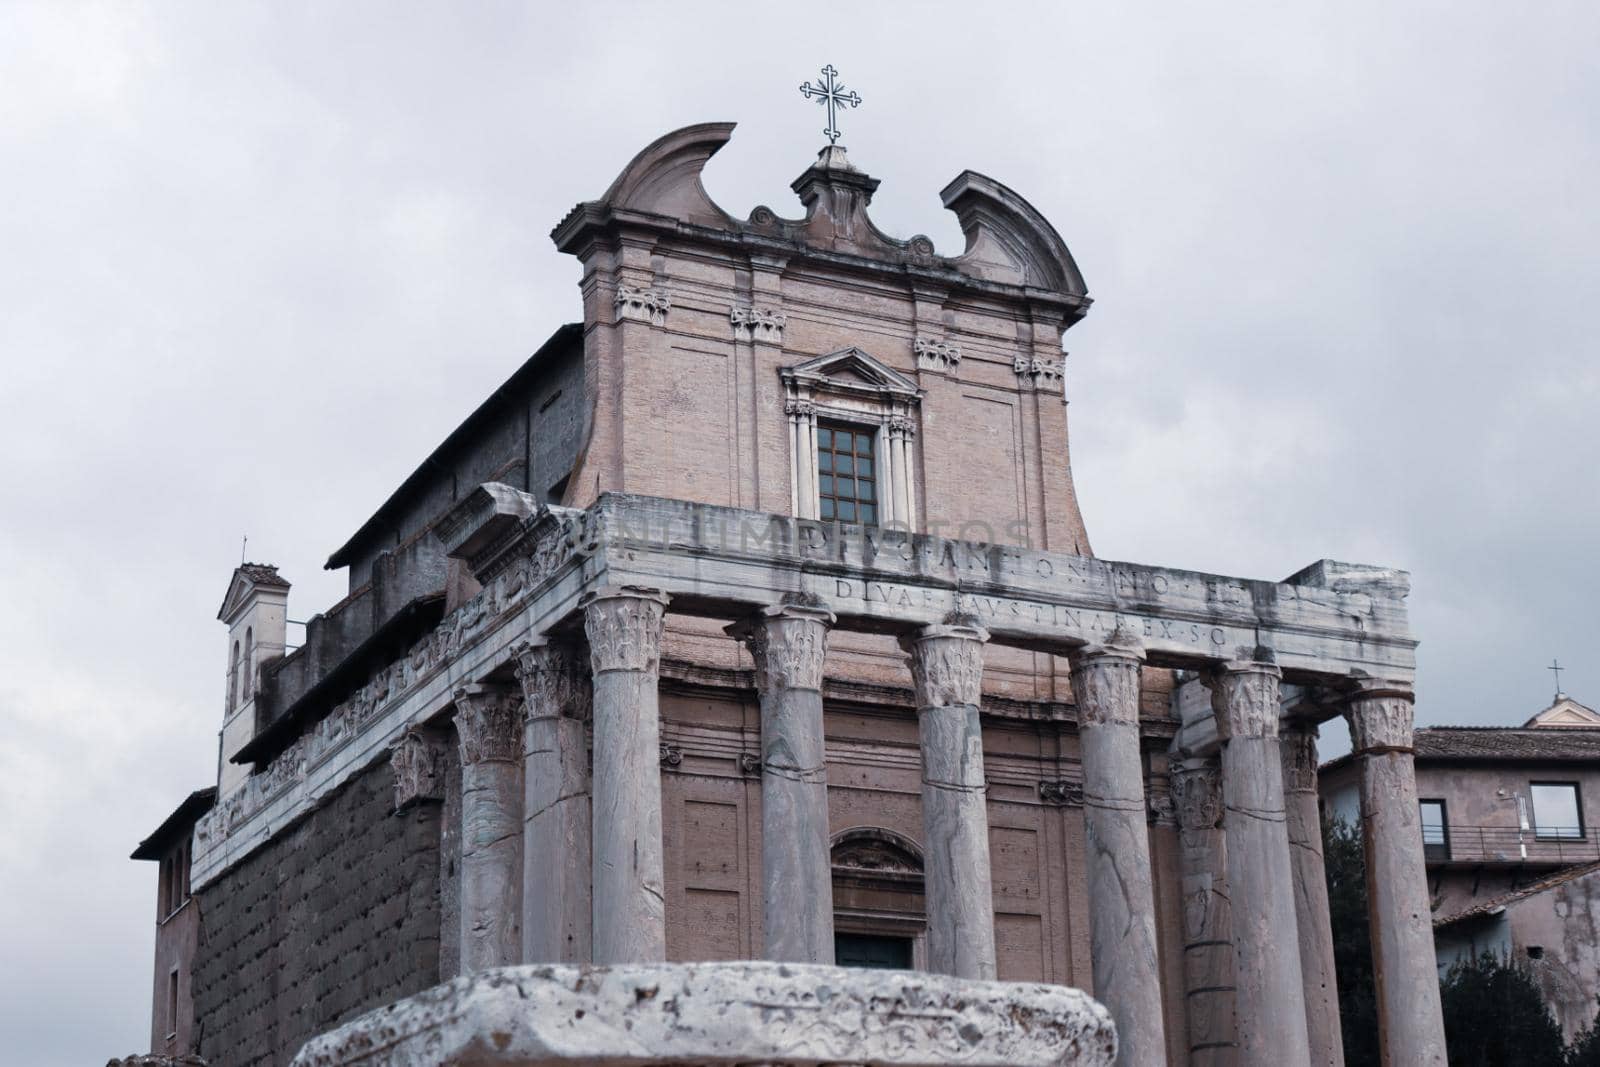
(338, 915)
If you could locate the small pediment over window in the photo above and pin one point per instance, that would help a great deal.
(851, 369)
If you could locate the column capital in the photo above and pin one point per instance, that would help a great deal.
(1244, 696)
(489, 723)
(1197, 794)
(1105, 679)
(418, 765)
(1299, 741)
(947, 663)
(1381, 716)
(788, 643)
(555, 680)
(623, 624)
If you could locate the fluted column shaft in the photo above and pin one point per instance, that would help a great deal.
(557, 818)
(1269, 998)
(1410, 1019)
(1207, 912)
(1122, 913)
(629, 907)
(947, 670)
(788, 645)
(489, 724)
(1304, 824)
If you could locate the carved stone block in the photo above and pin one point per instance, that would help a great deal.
(937, 354)
(418, 765)
(758, 324)
(643, 305)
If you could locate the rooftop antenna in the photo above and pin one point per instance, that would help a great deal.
(1557, 668)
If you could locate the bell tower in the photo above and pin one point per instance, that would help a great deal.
(256, 612)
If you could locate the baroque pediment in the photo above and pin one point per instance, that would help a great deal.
(850, 370)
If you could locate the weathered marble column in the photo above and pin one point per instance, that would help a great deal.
(1410, 1020)
(1269, 998)
(788, 644)
(557, 820)
(1207, 913)
(1122, 912)
(629, 909)
(947, 671)
(1304, 822)
(489, 722)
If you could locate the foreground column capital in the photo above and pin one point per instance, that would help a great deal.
(1105, 680)
(1381, 717)
(489, 722)
(623, 625)
(788, 643)
(554, 679)
(947, 664)
(1244, 696)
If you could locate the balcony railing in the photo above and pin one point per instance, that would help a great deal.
(1550, 846)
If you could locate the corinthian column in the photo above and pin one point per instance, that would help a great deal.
(1304, 822)
(556, 805)
(1122, 911)
(1269, 996)
(1207, 915)
(1410, 1020)
(788, 644)
(489, 722)
(629, 909)
(947, 670)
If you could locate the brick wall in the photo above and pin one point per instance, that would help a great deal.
(338, 915)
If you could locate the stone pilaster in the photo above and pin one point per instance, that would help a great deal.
(947, 670)
(1207, 913)
(629, 912)
(1304, 824)
(1269, 998)
(489, 723)
(1122, 913)
(557, 818)
(1410, 1019)
(788, 645)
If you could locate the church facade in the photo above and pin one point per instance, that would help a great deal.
(754, 617)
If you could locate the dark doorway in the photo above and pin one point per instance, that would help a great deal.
(872, 950)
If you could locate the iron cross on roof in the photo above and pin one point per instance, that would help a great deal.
(1555, 665)
(831, 94)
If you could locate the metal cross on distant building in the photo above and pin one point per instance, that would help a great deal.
(831, 94)
(1555, 665)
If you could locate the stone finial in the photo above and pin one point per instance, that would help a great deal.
(643, 305)
(1381, 716)
(788, 643)
(624, 629)
(555, 680)
(1244, 697)
(947, 664)
(489, 722)
(1299, 742)
(418, 765)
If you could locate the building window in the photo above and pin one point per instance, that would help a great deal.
(172, 1004)
(1556, 812)
(847, 474)
(1435, 831)
(875, 951)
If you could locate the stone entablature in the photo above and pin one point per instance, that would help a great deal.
(781, 1015)
(1340, 623)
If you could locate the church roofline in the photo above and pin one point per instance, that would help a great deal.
(566, 335)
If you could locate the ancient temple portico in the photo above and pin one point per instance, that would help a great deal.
(555, 581)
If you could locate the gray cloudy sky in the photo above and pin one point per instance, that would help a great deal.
(256, 260)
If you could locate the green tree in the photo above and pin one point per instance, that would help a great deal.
(1352, 947)
(1494, 1016)
(1585, 1048)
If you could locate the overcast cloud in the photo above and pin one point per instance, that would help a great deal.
(257, 260)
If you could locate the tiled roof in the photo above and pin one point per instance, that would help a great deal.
(1506, 743)
(1488, 907)
(263, 574)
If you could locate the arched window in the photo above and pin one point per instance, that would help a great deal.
(249, 664)
(879, 918)
(233, 678)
